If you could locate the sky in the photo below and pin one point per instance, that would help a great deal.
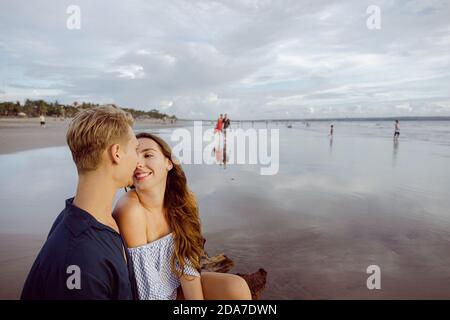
(251, 59)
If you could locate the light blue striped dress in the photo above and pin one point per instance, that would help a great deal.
(153, 270)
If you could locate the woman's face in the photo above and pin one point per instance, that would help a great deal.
(152, 166)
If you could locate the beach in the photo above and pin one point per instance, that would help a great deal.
(25, 134)
(335, 207)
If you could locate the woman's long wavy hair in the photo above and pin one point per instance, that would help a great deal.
(181, 212)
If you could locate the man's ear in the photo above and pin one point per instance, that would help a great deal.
(114, 153)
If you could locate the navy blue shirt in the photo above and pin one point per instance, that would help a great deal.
(81, 259)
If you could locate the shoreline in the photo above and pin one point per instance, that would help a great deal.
(22, 134)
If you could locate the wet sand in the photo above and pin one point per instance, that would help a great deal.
(332, 210)
(327, 258)
(17, 253)
(335, 208)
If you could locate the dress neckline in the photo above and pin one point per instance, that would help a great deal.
(170, 233)
(148, 244)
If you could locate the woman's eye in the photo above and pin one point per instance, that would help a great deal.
(148, 156)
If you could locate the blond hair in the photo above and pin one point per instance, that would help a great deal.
(91, 131)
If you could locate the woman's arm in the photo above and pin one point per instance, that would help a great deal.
(192, 287)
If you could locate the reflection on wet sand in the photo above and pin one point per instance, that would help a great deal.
(331, 144)
(220, 150)
(318, 224)
(395, 152)
(315, 226)
(314, 248)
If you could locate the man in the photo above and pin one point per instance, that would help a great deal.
(42, 120)
(84, 255)
(226, 123)
(396, 130)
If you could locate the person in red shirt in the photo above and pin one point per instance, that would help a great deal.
(219, 124)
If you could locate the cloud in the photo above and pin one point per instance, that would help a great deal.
(263, 59)
(132, 71)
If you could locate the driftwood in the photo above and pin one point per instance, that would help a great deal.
(218, 263)
(221, 263)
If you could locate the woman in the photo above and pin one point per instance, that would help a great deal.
(219, 124)
(160, 224)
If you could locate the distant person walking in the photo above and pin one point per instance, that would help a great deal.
(331, 131)
(397, 130)
(226, 123)
(42, 120)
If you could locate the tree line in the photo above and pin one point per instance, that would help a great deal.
(34, 108)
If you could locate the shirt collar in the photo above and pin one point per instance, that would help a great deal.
(79, 220)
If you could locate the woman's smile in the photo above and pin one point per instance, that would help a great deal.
(142, 175)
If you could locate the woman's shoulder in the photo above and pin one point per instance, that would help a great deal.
(131, 219)
(128, 207)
